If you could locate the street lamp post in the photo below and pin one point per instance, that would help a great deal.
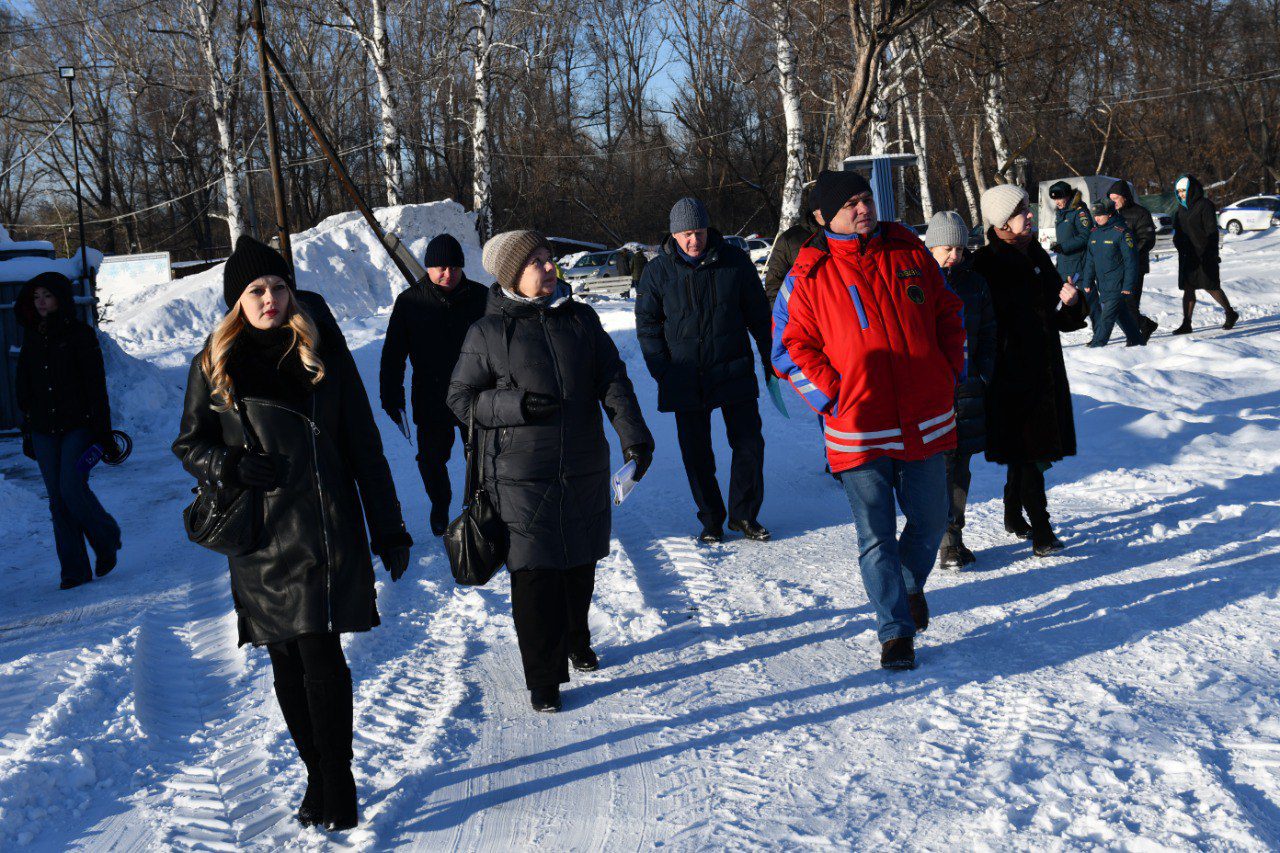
(68, 73)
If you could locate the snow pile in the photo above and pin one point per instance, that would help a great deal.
(142, 400)
(20, 507)
(339, 258)
(24, 268)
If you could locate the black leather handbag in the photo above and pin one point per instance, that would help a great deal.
(477, 540)
(227, 519)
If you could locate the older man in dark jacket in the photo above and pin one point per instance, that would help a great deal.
(1143, 228)
(428, 325)
(699, 308)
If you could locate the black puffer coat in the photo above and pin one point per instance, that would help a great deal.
(695, 323)
(1195, 236)
(61, 381)
(428, 326)
(313, 573)
(1139, 222)
(550, 480)
(1029, 417)
(980, 349)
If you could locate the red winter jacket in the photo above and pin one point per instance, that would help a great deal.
(871, 336)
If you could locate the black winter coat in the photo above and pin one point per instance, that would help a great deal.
(549, 479)
(783, 255)
(695, 323)
(61, 381)
(639, 260)
(980, 347)
(1029, 417)
(428, 326)
(313, 574)
(1140, 224)
(1195, 236)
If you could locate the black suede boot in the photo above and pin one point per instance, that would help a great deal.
(330, 702)
(292, 697)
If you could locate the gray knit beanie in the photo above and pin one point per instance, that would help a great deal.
(946, 228)
(505, 254)
(999, 202)
(689, 214)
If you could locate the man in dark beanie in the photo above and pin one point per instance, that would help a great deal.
(427, 325)
(699, 310)
(867, 331)
(1143, 228)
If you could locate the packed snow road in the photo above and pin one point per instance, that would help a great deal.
(1122, 694)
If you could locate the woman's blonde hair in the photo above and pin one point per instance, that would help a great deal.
(214, 359)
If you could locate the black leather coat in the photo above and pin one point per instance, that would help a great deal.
(550, 479)
(313, 573)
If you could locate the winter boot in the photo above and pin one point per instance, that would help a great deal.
(898, 654)
(1232, 316)
(105, 562)
(75, 583)
(1017, 526)
(292, 697)
(949, 557)
(1044, 542)
(751, 529)
(330, 703)
(919, 610)
(1184, 329)
(545, 700)
(711, 535)
(1149, 327)
(585, 660)
(439, 520)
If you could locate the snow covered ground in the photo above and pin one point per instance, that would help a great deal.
(1122, 695)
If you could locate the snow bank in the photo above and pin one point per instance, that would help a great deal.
(339, 258)
(143, 401)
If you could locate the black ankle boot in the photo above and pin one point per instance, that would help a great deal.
(1017, 526)
(292, 697)
(330, 702)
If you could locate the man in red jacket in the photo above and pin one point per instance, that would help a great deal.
(866, 329)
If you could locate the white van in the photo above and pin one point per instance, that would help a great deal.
(1090, 187)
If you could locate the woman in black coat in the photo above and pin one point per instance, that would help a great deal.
(1195, 236)
(62, 394)
(1030, 424)
(275, 403)
(536, 371)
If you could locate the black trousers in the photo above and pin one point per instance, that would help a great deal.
(313, 656)
(550, 610)
(1024, 490)
(959, 477)
(1134, 301)
(435, 446)
(746, 473)
(313, 687)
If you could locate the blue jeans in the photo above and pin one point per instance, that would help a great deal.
(76, 512)
(892, 567)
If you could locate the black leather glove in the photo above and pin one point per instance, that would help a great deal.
(539, 407)
(642, 455)
(397, 561)
(256, 470)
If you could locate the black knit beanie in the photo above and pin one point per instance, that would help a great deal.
(250, 261)
(833, 189)
(443, 251)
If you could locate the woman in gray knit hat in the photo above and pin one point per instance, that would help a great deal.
(534, 373)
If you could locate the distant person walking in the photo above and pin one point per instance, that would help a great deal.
(1195, 236)
(1111, 274)
(271, 379)
(539, 372)
(947, 238)
(428, 324)
(62, 395)
(702, 320)
(1030, 424)
(1143, 228)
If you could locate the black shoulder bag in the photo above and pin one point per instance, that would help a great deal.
(227, 519)
(477, 540)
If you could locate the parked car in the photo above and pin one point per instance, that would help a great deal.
(1164, 223)
(593, 265)
(1249, 214)
(758, 248)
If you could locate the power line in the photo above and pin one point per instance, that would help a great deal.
(71, 22)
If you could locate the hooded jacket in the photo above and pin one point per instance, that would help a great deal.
(1071, 229)
(61, 379)
(1195, 236)
(696, 321)
(549, 479)
(1139, 222)
(869, 334)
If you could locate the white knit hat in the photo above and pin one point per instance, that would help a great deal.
(946, 228)
(999, 202)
